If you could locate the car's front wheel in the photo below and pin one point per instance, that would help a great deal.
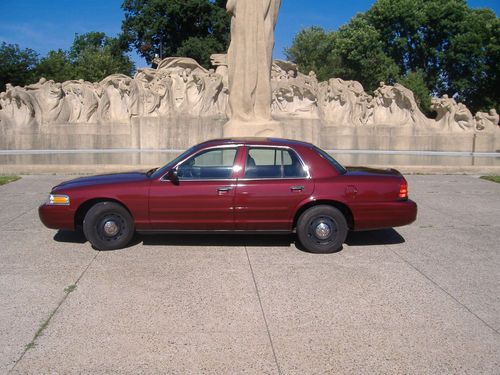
(108, 226)
(322, 229)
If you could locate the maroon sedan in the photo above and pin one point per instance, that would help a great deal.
(251, 185)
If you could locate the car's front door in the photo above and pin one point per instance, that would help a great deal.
(202, 198)
(273, 184)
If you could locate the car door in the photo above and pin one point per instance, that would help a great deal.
(275, 181)
(202, 198)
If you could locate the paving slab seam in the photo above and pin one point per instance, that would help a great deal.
(444, 291)
(18, 216)
(53, 313)
(263, 313)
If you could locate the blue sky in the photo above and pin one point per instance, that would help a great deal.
(51, 24)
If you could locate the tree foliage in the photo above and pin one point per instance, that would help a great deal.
(441, 44)
(95, 56)
(56, 66)
(311, 49)
(92, 57)
(17, 65)
(191, 28)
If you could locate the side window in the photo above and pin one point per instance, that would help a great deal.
(212, 164)
(273, 163)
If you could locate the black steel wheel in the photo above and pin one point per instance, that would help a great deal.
(108, 226)
(322, 229)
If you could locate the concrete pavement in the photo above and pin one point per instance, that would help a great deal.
(418, 299)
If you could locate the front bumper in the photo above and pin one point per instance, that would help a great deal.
(57, 217)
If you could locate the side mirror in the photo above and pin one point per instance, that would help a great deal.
(173, 176)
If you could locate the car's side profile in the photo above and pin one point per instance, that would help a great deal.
(235, 185)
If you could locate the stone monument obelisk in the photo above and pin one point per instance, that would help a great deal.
(250, 58)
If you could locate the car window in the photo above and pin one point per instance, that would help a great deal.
(212, 164)
(273, 163)
(161, 171)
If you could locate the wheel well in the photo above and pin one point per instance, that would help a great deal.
(85, 207)
(346, 211)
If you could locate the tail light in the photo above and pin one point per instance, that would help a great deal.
(403, 190)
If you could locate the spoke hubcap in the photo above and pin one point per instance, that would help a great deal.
(111, 229)
(322, 231)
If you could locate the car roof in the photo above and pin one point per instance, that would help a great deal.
(256, 141)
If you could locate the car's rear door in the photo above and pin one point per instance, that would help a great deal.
(274, 183)
(203, 196)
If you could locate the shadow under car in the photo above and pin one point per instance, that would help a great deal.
(368, 238)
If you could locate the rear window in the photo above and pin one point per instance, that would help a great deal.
(331, 160)
(273, 163)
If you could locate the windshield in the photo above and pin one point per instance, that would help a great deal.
(161, 171)
(331, 160)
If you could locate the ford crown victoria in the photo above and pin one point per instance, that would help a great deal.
(239, 186)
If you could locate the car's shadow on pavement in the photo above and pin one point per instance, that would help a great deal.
(374, 238)
(369, 238)
(76, 236)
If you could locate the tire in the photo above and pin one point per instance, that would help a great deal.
(108, 226)
(322, 229)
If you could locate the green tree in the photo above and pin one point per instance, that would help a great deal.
(17, 65)
(416, 83)
(310, 50)
(92, 57)
(56, 66)
(193, 28)
(354, 52)
(441, 44)
(471, 61)
(358, 54)
(451, 44)
(95, 56)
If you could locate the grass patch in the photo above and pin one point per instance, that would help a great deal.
(492, 178)
(45, 324)
(69, 289)
(6, 179)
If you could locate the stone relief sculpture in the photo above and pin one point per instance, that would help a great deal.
(487, 121)
(249, 62)
(293, 93)
(180, 86)
(452, 116)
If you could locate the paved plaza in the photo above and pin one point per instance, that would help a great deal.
(422, 299)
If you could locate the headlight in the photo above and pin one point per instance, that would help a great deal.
(58, 200)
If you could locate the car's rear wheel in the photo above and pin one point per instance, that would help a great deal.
(322, 229)
(108, 226)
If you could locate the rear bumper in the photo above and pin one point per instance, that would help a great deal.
(384, 215)
(57, 217)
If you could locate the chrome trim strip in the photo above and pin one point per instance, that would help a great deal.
(214, 231)
(205, 180)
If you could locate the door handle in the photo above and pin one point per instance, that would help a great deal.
(224, 189)
(296, 188)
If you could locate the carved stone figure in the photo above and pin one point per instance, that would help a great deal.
(337, 101)
(118, 99)
(487, 121)
(294, 94)
(452, 116)
(19, 107)
(250, 60)
(51, 97)
(82, 99)
(219, 60)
